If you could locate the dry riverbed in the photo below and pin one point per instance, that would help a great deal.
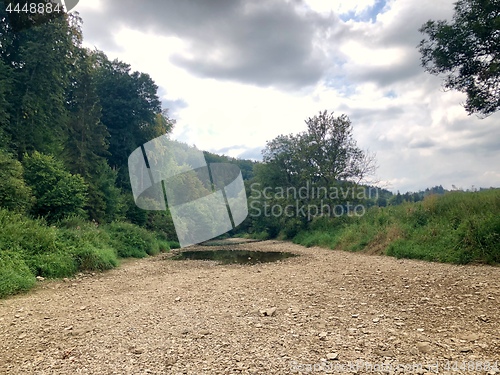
(322, 312)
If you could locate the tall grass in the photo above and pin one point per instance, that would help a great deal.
(30, 248)
(458, 227)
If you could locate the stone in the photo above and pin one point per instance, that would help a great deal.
(332, 356)
(469, 337)
(268, 312)
(385, 353)
(424, 347)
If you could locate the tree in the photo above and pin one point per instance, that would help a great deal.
(58, 193)
(14, 194)
(39, 59)
(5, 106)
(326, 152)
(467, 51)
(131, 110)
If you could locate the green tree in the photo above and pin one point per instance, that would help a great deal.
(131, 110)
(467, 51)
(41, 60)
(6, 82)
(14, 194)
(58, 193)
(88, 138)
(326, 152)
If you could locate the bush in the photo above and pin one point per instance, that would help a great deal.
(19, 233)
(58, 193)
(458, 227)
(14, 194)
(90, 258)
(52, 265)
(15, 275)
(30, 248)
(131, 241)
(174, 245)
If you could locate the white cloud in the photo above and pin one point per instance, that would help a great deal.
(370, 71)
(340, 7)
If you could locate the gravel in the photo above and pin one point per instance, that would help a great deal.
(322, 312)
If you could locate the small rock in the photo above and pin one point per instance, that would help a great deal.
(268, 312)
(376, 320)
(40, 278)
(424, 347)
(355, 315)
(177, 299)
(465, 350)
(332, 356)
(469, 337)
(385, 353)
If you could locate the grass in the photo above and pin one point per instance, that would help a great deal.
(458, 227)
(30, 248)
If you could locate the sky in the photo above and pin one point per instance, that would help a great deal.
(235, 74)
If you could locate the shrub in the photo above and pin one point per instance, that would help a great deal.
(52, 265)
(15, 275)
(174, 245)
(130, 240)
(14, 194)
(90, 258)
(58, 193)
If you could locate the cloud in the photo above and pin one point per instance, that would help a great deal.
(174, 106)
(271, 43)
(237, 73)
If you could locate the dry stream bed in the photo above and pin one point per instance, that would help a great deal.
(321, 312)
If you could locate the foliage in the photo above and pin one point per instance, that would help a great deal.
(14, 194)
(30, 248)
(40, 63)
(325, 152)
(15, 276)
(58, 193)
(466, 51)
(131, 241)
(324, 159)
(458, 227)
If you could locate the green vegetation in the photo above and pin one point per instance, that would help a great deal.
(69, 118)
(30, 248)
(457, 227)
(462, 50)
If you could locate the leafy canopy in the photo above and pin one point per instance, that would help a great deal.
(467, 51)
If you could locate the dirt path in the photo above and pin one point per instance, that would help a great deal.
(333, 310)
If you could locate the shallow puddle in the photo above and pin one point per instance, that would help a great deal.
(234, 256)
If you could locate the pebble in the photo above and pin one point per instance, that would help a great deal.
(332, 356)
